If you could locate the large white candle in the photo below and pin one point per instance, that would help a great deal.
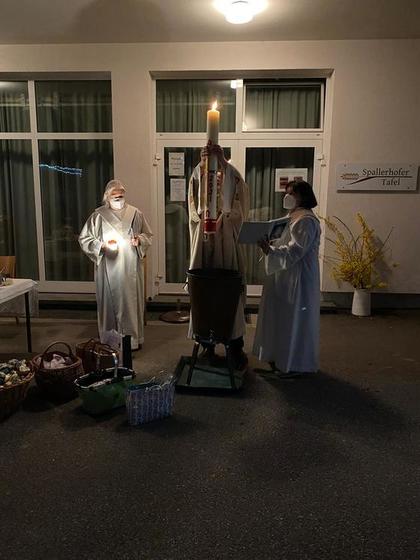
(213, 120)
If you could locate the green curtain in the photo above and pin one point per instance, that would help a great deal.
(14, 107)
(282, 106)
(73, 176)
(265, 202)
(74, 106)
(181, 105)
(177, 237)
(17, 207)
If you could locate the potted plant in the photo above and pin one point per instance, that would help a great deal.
(358, 259)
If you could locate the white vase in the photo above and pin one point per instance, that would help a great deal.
(361, 303)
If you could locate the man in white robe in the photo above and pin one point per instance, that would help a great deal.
(220, 249)
(287, 334)
(116, 237)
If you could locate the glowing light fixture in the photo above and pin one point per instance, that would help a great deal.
(240, 11)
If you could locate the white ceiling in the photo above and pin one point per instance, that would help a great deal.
(132, 21)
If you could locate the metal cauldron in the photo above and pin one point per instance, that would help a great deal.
(214, 294)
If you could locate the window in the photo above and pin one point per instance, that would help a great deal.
(177, 237)
(283, 105)
(14, 107)
(266, 201)
(181, 105)
(63, 164)
(76, 106)
(17, 206)
(73, 174)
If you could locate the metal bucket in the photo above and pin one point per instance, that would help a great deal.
(214, 294)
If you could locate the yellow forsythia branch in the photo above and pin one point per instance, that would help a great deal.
(356, 257)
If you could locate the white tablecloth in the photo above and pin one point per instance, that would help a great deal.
(12, 302)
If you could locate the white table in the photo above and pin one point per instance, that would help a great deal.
(18, 287)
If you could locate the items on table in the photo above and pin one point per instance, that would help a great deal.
(13, 372)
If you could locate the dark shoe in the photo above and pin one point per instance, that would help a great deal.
(240, 361)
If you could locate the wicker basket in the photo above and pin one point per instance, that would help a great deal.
(13, 396)
(57, 384)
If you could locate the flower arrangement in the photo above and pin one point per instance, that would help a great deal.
(357, 259)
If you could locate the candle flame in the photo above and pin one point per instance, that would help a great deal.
(214, 106)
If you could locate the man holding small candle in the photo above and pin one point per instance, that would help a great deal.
(116, 237)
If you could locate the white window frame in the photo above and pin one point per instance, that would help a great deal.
(34, 136)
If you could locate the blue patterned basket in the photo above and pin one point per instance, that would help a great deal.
(150, 401)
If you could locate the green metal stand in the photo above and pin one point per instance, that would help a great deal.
(194, 373)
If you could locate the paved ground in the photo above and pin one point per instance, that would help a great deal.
(321, 468)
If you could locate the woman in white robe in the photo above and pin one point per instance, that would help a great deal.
(116, 237)
(287, 334)
(221, 249)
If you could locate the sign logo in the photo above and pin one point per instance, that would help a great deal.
(377, 177)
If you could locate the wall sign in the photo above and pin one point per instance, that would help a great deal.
(286, 174)
(377, 176)
(178, 189)
(176, 163)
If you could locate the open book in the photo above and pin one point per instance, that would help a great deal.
(252, 232)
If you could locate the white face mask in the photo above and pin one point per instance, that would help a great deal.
(289, 202)
(117, 203)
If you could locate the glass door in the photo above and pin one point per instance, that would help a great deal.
(176, 162)
(268, 165)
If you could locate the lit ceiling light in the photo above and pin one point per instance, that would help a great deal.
(240, 11)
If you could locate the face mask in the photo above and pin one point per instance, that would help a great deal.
(117, 204)
(289, 202)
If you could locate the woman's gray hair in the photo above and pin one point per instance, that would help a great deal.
(113, 185)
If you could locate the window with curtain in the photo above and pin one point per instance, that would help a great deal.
(181, 105)
(73, 175)
(73, 172)
(177, 237)
(74, 106)
(280, 105)
(265, 202)
(14, 107)
(17, 207)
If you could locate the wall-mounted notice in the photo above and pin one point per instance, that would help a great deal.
(178, 190)
(377, 176)
(176, 163)
(286, 174)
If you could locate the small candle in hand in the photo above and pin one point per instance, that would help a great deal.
(112, 244)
